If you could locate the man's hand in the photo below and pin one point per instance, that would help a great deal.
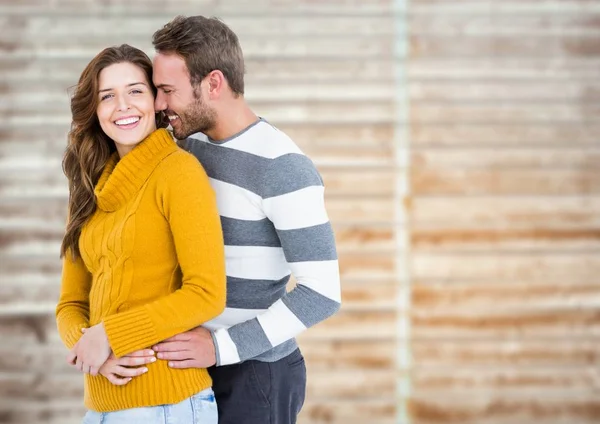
(91, 351)
(120, 371)
(192, 349)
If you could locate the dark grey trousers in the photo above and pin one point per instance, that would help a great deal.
(255, 392)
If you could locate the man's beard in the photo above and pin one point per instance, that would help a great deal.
(198, 117)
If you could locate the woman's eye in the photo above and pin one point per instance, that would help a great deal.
(106, 96)
(136, 91)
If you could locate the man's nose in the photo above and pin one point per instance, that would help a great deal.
(159, 103)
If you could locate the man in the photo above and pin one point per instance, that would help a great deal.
(270, 198)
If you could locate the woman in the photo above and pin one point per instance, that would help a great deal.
(143, 255)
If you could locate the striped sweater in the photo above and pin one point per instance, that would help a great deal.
(271, 201)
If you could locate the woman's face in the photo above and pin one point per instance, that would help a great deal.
(125, 105)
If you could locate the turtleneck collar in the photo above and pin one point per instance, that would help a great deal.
(122, 178)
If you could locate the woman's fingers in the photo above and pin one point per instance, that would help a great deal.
(116, 380)
(129, 372)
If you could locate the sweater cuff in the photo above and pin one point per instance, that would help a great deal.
(130, 331)
(72, 336)
(72, 323)
(225, 348)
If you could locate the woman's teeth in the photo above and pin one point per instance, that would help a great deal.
(127, 121)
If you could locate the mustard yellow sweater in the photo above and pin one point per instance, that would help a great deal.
(152, 266)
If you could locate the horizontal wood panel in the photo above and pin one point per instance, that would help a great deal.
(469, 240)
(506, 113)
(511, 158)
(355, 325)
(556, 323)
(515, 296)
(380, 411)
(357, 210)
(502, 68)
(324, 355)
(505, 91)
(510, 7)
(565, 353)
(550, 267)
(47, 411)
(496, 408)
(511, 378)
(506, 182)
(471, 23)
(460, 134)
(507, 45)
(510, 213)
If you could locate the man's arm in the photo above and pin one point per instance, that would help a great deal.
(294, 201)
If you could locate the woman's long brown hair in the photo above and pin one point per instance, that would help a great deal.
(89, 148)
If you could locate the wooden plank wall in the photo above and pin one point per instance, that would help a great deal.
(505, 207)
(498, 104)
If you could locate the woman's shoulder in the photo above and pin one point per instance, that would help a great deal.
(180, 160)
(180, 168)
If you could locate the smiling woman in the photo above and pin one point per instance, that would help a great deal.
(126, 105)
(143, 253)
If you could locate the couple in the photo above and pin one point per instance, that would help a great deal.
(176, 259)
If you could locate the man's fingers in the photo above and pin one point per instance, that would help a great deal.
(135, 361)
(143, 352)
(171, 347)
(118, 381)
(183, 337)
(189, 363)
(129, 372)
(175, 356)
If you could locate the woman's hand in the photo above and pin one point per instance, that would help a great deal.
(91, 351)
(120, 371)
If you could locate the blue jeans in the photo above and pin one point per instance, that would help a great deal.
(198, 409)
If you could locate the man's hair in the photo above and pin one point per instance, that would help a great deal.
(206, 45)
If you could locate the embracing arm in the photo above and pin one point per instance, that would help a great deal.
(294, 202)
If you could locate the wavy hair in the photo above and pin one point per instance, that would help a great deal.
(89, 148)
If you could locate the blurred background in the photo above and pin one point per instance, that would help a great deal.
(459, 143)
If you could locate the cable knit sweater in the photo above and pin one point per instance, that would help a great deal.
(152, 266)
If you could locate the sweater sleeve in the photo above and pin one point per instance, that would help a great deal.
(294, 201)
(189, 205)
(73, 310)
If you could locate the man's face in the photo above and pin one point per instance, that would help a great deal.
(183, 103)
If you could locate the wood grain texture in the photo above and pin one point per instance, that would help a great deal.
(491, 259)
